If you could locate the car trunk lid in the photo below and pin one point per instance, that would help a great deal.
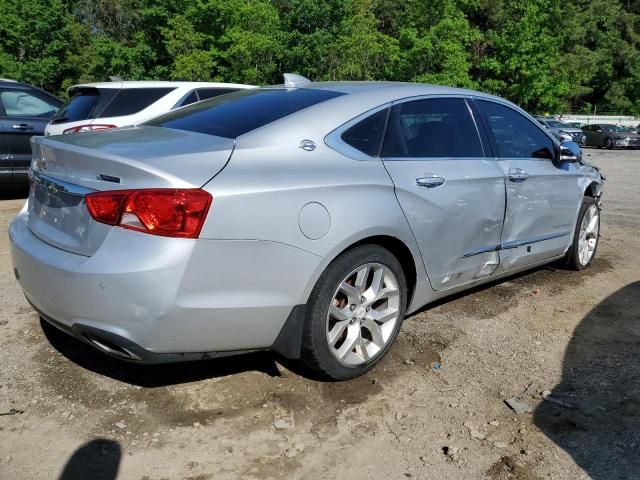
(66, 168)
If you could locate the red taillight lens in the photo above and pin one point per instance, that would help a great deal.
(105, 207)
(167, 212)
(88, 128)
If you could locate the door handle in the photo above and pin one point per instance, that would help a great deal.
(23, 126)
(430, 181)
(517, 175)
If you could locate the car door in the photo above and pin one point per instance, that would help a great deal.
(451, 193)
(599, 135)
(543, 197)
(26, 113)
(6, 173)
(586, 131)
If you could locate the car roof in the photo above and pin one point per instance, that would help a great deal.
(160, 84)
(397, 89)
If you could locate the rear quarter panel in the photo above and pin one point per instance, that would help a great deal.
(269, 181)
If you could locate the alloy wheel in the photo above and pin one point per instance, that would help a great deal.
(588, 236)
(363, 314)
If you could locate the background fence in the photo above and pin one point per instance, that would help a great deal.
(623, 120)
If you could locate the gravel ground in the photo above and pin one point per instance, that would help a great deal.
(433, 409)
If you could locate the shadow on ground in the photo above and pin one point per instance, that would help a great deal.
(161, 375)
(600, 426)
(98, 459)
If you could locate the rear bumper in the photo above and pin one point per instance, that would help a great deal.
(163, 295)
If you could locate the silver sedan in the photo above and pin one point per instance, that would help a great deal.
(308, 219)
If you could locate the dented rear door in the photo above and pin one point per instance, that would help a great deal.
(452, 194)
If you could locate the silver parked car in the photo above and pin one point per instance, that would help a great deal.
(308, 219)
(562, 131)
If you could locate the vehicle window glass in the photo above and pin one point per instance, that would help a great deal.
(132, 100)
(366, 135)
(21, 103)
(206, 93)
(439, 127)
(78, 107)
(516, 136)
(191, 98)
(242, 111)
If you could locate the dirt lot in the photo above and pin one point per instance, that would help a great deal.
(433, 409)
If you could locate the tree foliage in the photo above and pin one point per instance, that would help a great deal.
(546, 55)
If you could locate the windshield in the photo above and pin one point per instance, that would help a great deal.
(556, 124)
(613, 128)
(240, 112)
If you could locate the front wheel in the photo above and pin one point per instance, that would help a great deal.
(354, 312)
(608, 144)
(586, 235)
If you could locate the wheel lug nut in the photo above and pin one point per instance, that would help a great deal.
(368, 309)
(362, 299)
(352, 307)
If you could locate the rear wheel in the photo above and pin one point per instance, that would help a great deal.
(354, 312)
(586, 235)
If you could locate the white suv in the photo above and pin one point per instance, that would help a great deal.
(98, 106)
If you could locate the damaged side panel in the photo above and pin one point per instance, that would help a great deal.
(457, 225)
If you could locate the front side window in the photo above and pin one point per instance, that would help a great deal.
(438, 127)
(21, 103)
(366, 135)
(133, 100)
(516, 136)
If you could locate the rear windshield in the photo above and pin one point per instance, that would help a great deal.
(242, 111)
(132, 100)
(78, 107)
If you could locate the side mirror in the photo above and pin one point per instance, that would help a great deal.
(570, 152)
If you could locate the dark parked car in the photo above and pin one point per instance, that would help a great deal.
(24, 111)
(610, 136)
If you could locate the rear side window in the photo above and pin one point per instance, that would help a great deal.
(207, 93)
(242, 111)
(189, 99)
(367, 134)
(438, 127)
(132, 100)
(515, 135)
(78, 107)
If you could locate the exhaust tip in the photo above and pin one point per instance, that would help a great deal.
(110, 347)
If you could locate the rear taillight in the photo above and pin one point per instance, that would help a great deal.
(88, 128)
(167, 212)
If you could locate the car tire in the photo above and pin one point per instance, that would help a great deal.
(345, 336)
(586, 236)
(608, 144)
